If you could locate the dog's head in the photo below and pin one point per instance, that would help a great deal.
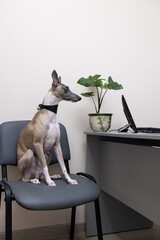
(61, 91)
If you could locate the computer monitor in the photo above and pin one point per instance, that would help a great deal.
(129, 117)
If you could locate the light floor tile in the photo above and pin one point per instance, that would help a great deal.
(81, 236)
(61, 232)
(147, 234)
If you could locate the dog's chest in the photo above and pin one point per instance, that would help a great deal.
(52, 136)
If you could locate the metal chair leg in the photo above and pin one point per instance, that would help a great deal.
(0, 194)
(8, 200)
(98, 220)
(72, 227)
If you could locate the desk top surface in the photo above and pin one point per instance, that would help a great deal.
(131, 135)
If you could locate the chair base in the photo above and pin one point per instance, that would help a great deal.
(98, 221)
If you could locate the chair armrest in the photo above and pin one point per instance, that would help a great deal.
(5, 188)
(90, 177)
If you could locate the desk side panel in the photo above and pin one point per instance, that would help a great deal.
(131, 174)
(116, 216)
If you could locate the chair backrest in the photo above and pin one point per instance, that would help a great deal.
(9, 134)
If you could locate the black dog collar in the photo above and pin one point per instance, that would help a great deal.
(52, 108)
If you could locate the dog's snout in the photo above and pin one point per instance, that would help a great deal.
(79, 98)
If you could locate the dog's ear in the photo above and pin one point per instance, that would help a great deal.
(55, 79)
(59, 80)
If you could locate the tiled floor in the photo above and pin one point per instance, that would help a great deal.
(147, 234)
(62, 233)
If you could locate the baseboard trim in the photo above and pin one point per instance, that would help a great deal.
(45, 233)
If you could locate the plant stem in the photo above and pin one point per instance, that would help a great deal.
(94, 105)
(99, 100)
(101, 93)
(103, 98)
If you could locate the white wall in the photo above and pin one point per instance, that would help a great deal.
(120, 38)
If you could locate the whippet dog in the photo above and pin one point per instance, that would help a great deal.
(41, 135)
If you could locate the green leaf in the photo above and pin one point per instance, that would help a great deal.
(91, 81)
(84, 82)
(88, 94)
(105, 86)
(114, 85)
(94, 78)
(98, 83)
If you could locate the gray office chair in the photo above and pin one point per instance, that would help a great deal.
(42, 197)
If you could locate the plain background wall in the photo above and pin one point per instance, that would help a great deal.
(120, 38)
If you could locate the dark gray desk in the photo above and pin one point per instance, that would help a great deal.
(127, 169)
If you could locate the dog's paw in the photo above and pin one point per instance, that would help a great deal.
(35, 181)
(51, 183)
(72, 182)
(56, 177)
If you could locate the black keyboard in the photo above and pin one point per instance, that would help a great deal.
(149, 130)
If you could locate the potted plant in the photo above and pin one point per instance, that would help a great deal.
(99, 121)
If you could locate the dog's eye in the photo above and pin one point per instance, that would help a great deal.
(66, 89)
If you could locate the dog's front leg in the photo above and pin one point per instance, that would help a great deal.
(40, 153)
(58, 153)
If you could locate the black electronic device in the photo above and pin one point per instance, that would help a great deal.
(131, 122)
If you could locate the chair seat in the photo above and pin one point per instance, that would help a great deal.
(43, 197)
